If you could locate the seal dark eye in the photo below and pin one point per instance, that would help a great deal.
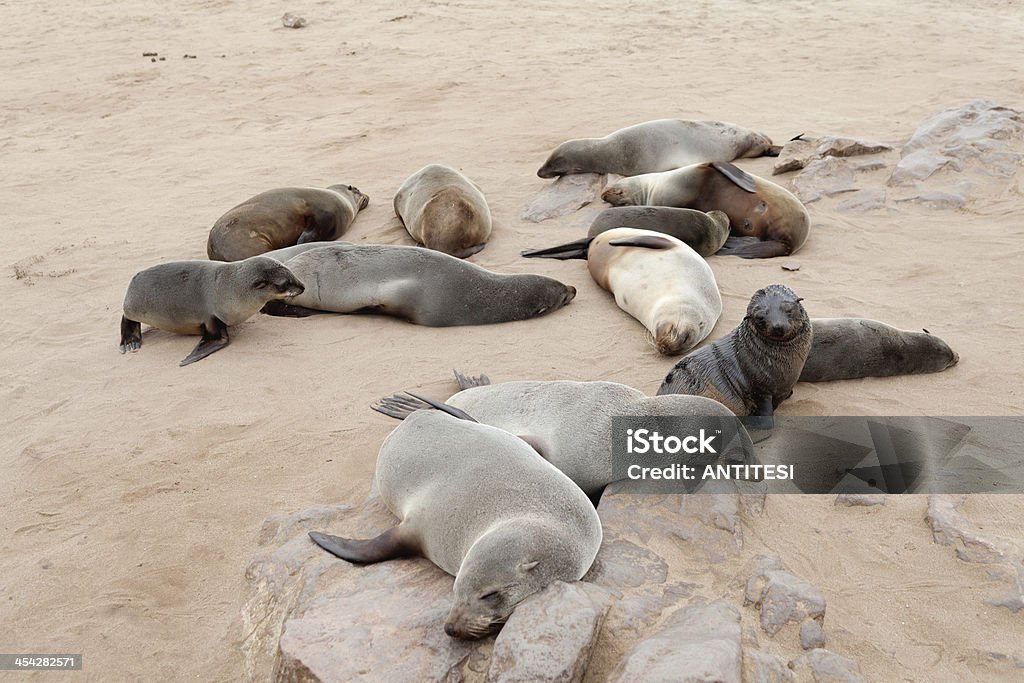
(259, 284)
(490, 596)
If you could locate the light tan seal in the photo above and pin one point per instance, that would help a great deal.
(444, 210)
(851, 348)
(661, 282)
(283, 217)
(202, 297)
(416, 284)
(483, 506)
(657, 146)
(766, 219)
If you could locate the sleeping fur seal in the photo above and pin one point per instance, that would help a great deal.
(658, 280)
(705, 233)
(753, 368)
(850, 348)
(202, 297)
(444, 210)
(483, 506)
(766, 219)
(419, 285)
(570, 423)
(283, 217)
(656, 146)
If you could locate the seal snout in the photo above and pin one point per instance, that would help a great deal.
(670, 340)
(570, 294)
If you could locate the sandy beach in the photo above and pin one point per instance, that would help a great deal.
(134, 490)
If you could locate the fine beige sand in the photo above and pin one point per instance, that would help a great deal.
(133, 490)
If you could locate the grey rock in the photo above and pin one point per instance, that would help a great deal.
(938, 200)
(550, 636)
(791, 265)
(812, 635)
(290, 20)
(696, 643)
(565, 195)
(863, 200)
(782, 597)
(762, 667)
(828, 667)
(824, 178)
(798, 154)
(860, 499)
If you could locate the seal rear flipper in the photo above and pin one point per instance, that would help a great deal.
(281, 309)
(577, 249)
(644, 242)
(131, 335)
(469, 381)
(389, 545)
(215, 338)
(737, 175)
(752, 247)
(401, 407)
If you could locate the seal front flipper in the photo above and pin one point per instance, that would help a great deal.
(281, 309)
(644, 242)
(761, 419)
(577, 249)
(131, 335)
(390, 545)
(215, 338)
(752, 247)
(737, 175)
(469, 381)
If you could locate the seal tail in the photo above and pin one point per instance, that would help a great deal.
(563, 252)
(401, 407)
(469, 381)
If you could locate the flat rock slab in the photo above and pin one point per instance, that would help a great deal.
(564, 196)
(551, 635)
(824, 178)
(783, 597)
(828, 667)
(796, 154)
(696, 643)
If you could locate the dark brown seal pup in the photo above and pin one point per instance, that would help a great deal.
(850, 348)
(766, 219)
(483, 506)
(753, 368)
(202, 297)
(656, 146)
(283, 217)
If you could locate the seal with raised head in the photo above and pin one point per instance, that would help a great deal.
(705, 233)
(765, 219)
(419, 285)
(444, 210)
(658, 280)
(202, 297)
(851, 348)
(483, 506)
(753, 368)
(569, 423)
(283, 217)
(657, 146)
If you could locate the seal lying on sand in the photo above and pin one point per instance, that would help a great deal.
(766, 219)
(753, 368)
(420, 285)
(570, 423)
(658, 280)
(705, 233)
(283, 217)
(202, 297)
(444, 210)
(484, 507)
(657, 146)
(850, 348)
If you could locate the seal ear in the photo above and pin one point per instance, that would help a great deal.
(527, 566)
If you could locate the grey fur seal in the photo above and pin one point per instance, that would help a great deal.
(658, 280)
(202, 297)
(766, 219)
(753, 368)
(484, 507)
(705, 233)
(570, 423)
(850, 348)
(656, 146)
(444, 210)
(419, 285)
(283, 217)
